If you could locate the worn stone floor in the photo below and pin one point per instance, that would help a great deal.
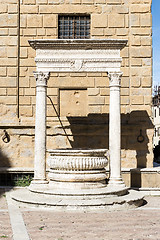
(23, 223)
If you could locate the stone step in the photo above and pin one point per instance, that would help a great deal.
(26, 197)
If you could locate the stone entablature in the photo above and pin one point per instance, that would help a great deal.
(78, 55)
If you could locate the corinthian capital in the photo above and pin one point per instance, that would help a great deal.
(41, 78)
(115, 79)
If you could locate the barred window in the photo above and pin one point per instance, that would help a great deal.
(73, 27)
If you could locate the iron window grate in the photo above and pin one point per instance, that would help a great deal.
(74, 27)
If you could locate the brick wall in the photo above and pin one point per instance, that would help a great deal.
(86, 120)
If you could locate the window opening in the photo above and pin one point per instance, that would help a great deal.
(73, 27)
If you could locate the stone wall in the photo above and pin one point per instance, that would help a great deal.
(80, 110)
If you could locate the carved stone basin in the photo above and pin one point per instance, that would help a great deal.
(77, 168)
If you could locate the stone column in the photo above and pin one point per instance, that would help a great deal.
(115, 130)
(40, 128)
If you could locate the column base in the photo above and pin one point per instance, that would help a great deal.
(116, 184)
(36, 182)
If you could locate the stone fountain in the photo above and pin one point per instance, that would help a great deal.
(77, 177)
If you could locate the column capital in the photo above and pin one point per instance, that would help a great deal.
(41, 78)
(115, 79)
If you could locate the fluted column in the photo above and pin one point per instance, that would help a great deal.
(115, 130)
(40, 128)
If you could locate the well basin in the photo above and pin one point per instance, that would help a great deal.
(77, 168)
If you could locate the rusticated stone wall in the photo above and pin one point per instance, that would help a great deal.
(79, 115)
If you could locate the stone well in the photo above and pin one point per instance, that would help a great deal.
(77, 178)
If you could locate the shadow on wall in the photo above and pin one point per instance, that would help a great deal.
(4, 164)
(4, 160)
(93, 132)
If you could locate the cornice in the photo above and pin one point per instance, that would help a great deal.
(86, 44)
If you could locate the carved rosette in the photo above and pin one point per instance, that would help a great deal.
(115, 79)
(78, 162)
(41, 78)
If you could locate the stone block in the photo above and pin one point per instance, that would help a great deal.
(12, 91)
(3, 8)
(125, 82)
(146, 81)
(4, 31)
(51, 32)
(136, 62)
(9, 20)
(50, 20)
(141, 31)
(135, 82)
(125, 100)
(123, 9)
(116, 20)
(141, 51)
(140, 8)
(29, 32)
(73, 102)
(135, 20)
(99, 20)
(23, 52)
(8, 82)
(29, 91)
(97, 31)
(124, 91)
(109, 31)
(23, 82)
(52, 91)
(148, 100)
(3, 52)
(94, 109)
(96, 100)
(3, 71)
(3, 91)
(24, 100)
(122, 32)
(101, 82)
(12, 52)
(13, 32)
(12, 71)
(146, 20)
(23, 20)
(93, 91)
(135, 40)
(107, 99)
(34, 21)
(28, 9)
(104, 92)
(146, 41)
(9, 100)
(72, 82)
(138, 100)
(70, 9)
(41, 31)
(26, 111)
(12, 8)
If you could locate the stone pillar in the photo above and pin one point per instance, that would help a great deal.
(115, 130)
(40, 128)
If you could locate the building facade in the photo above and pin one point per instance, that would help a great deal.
(77, 103)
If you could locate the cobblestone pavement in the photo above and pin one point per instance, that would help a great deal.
(139, 224)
